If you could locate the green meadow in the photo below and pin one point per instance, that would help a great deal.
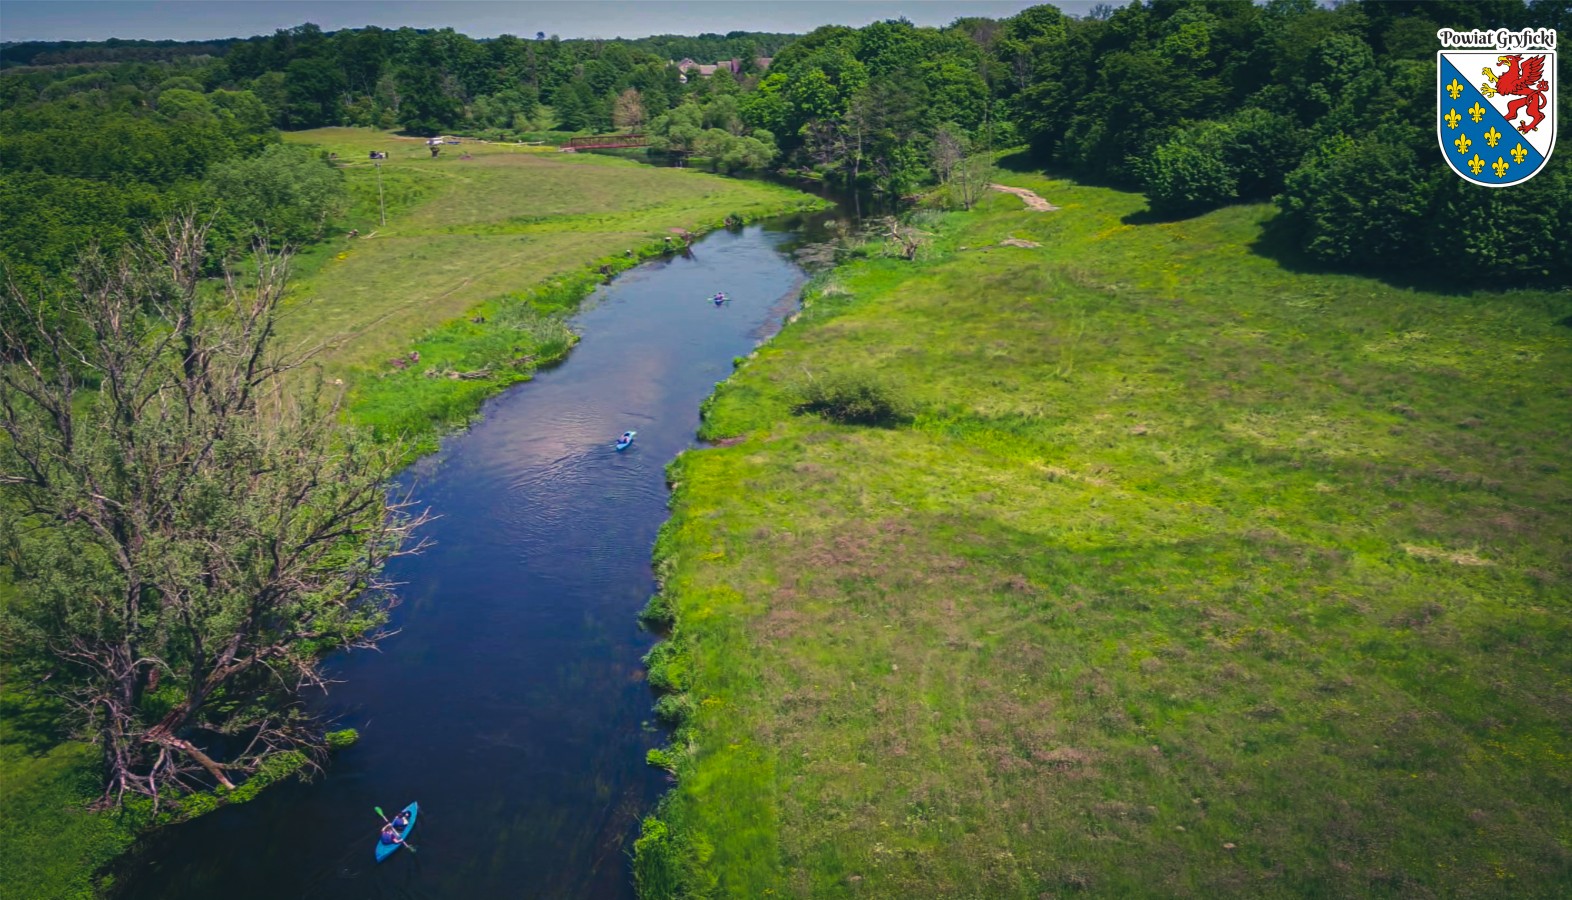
(1189, 573)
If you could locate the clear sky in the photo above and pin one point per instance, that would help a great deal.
(94, 20)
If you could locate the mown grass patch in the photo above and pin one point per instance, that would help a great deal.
(1189, 575)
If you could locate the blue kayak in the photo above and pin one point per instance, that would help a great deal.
(386, 850)
(626, 439)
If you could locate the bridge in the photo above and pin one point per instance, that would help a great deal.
(605, 142)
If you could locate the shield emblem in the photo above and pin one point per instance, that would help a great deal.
(1496, 113)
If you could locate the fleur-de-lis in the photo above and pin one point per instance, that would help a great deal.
(1492, 137)
(1454, 89)
(1500, 165)
(1476, 164)
(1452, 118)
(1476, 111)
(1462, 143)
(1518, 153)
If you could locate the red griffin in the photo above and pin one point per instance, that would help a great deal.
(1524, 79)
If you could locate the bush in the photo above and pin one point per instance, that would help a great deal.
(338, 740)
(1188, 175)
(1359, 203)
(669, 862)
(1210, 164)
(853, 398)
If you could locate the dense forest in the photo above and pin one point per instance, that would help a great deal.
(1326, 109)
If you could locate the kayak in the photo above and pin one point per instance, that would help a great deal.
(625, 440)
(386, 850)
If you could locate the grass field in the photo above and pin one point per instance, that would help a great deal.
(1190, 575)
(462, 232)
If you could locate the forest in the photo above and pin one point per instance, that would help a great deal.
(1327, 111)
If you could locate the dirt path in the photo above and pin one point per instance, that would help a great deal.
(1030, 198)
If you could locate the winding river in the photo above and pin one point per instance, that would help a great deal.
(512, 704)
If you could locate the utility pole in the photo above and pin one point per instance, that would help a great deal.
(382, 209)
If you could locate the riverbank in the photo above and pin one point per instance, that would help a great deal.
(1189, 573)
(486, 247)
(512, 236)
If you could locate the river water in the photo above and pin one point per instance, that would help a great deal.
(513, 705)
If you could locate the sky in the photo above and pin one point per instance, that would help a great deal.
(96, 20)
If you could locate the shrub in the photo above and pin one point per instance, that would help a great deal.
(853, 398)
(338, 740)
(1359, 203)
(674, 709)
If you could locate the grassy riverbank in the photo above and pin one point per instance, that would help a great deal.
(1191, 574)
(513, 236)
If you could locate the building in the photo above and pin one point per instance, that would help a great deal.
(734, 66)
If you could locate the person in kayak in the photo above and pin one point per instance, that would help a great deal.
(719, 298)
(627, 436)
(392, 831)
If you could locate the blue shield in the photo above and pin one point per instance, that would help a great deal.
(1496, 113)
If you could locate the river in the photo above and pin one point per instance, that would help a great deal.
(512, 704)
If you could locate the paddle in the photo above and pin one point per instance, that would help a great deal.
(385, 819)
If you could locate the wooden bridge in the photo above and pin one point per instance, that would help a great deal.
(605, 142)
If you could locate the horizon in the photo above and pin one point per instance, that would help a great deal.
(41, 21)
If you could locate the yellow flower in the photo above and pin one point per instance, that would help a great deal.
(1462, 143)
(1477, 112)
(1500, 165)
(1454, 89)
(1452, 118)
(1518, 153)
(1476, 164)
(1492, 137)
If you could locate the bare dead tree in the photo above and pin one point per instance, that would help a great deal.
(970, 178)
(949, 148)
(193, 537)
(905, 240)
(628, 111)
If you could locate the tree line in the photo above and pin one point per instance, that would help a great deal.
(1327, 109)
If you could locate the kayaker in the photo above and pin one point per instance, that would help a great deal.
(390, 834)
(401, 821)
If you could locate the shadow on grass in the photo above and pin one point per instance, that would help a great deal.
(1278, 243)
(31, 723)
(1148, 216)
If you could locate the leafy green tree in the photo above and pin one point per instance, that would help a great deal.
(286, 195)
(425, 108)
(190, 543)
(1359, 203)
(312, 88)
(1189, 174)
(678, 132)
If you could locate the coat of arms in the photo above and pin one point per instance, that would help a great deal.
(1496, 107)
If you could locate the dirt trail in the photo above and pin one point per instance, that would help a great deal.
(1030, 198)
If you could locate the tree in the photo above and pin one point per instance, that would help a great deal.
(949, 147)
(425, 107)
(971, 178)
(287, 194)
(191, 537)
(628, 112)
